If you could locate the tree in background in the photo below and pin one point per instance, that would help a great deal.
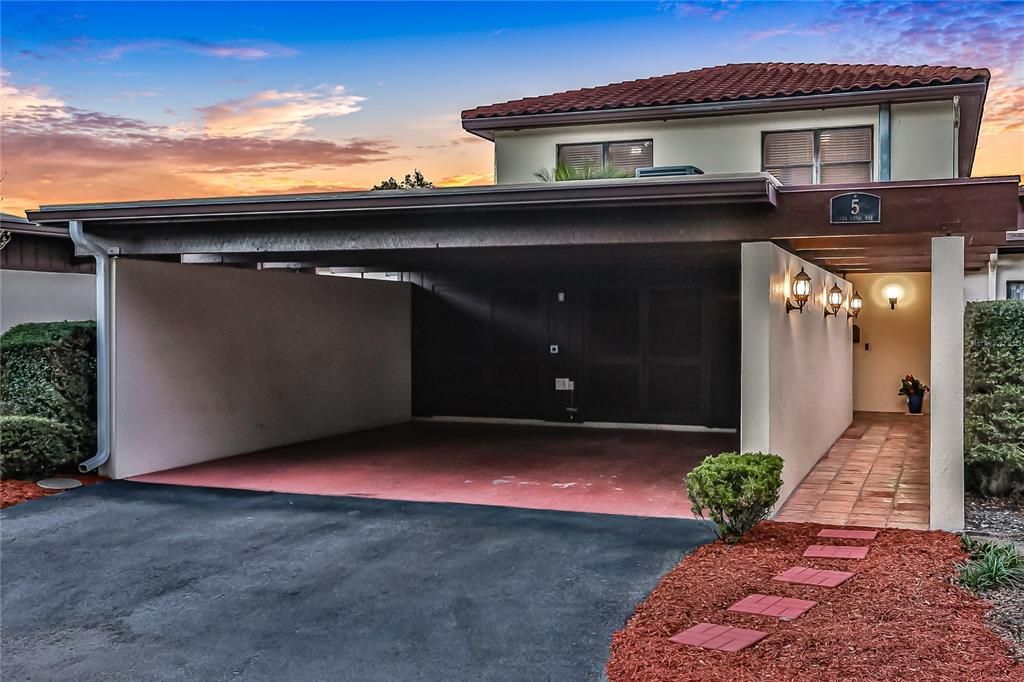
(414, 180)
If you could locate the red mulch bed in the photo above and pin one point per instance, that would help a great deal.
(898, 618)
(13, 491)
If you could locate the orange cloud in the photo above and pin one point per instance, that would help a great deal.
(277, 114)
(54, 153)
(1004, 106)
(466, 179)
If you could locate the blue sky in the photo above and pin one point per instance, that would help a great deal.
(149, 99)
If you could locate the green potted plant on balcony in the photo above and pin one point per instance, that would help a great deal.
(914, 390)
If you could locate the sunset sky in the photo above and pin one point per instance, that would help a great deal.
(110, 101)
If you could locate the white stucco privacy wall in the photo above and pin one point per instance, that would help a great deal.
(946, 447)
(211, 361)
(797, 368)
(30, 296)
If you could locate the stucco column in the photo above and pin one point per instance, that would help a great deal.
(947, 377)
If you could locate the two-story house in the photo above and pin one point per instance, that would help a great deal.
(746, 252)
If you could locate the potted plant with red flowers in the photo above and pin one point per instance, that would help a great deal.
(914, 390)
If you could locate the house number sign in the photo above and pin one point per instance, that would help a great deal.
(855, 207)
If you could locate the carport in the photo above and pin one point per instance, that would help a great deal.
(651, 303)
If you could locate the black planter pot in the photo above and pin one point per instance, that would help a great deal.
(915, 403)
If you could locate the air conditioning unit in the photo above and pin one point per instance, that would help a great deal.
(662, 171)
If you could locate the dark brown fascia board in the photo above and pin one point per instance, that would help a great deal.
(485, 127)
(33, 229)
(744, 188)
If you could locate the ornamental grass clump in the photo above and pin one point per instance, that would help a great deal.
(992, 565)
(736, 491)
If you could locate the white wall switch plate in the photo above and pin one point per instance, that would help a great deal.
(553, 349)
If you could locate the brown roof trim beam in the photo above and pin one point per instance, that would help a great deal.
(753, 188)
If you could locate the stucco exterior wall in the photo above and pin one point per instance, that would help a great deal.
(923, 141)
(892, 342)
(29, 296)
(976, 286)
(1010, 268)
(211, 362)
(990, 283)
(797, 368)
(732, 144)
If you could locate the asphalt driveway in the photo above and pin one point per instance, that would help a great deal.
(129, 581)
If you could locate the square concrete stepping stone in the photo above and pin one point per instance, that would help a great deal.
(802, 575)
(770, 605)
(835, 552)
(846, 534)
(718, 637)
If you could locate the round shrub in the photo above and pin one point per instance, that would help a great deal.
(33, 447)
(737, 491)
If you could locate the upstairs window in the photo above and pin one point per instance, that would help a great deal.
(605, 159)
(819, 157)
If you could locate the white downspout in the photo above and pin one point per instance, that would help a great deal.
(956, 137)
(993, 271)
(104, 410)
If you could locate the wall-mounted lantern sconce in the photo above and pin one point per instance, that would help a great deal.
(800, 292)
(856, 305)
(833, 300)
(893, 292)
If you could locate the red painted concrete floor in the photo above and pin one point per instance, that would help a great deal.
(634, 472)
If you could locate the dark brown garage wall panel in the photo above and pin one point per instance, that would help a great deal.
(642, 346)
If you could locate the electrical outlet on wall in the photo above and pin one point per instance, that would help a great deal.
(564, 384)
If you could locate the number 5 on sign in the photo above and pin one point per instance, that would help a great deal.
(855, 207)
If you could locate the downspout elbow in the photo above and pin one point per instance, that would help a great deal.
(104, 410)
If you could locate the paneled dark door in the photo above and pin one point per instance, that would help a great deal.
(518, 338)
(643, 352)
(640, 346)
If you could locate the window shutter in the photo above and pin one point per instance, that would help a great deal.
(845, 155)
(845, 145)
(789, 156)
(847, 172)
(580, 157)
(628, 156)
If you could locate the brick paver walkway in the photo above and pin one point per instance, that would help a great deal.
(875, 475)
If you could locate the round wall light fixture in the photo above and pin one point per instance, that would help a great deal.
(893, 292)
(833, 300)
(800, 292)
(856, 305)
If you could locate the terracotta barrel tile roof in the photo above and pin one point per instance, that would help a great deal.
(733, 82)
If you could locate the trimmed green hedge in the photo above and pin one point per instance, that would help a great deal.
(994, 397)
(736, 490)
(48, 370)
(33, 447)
